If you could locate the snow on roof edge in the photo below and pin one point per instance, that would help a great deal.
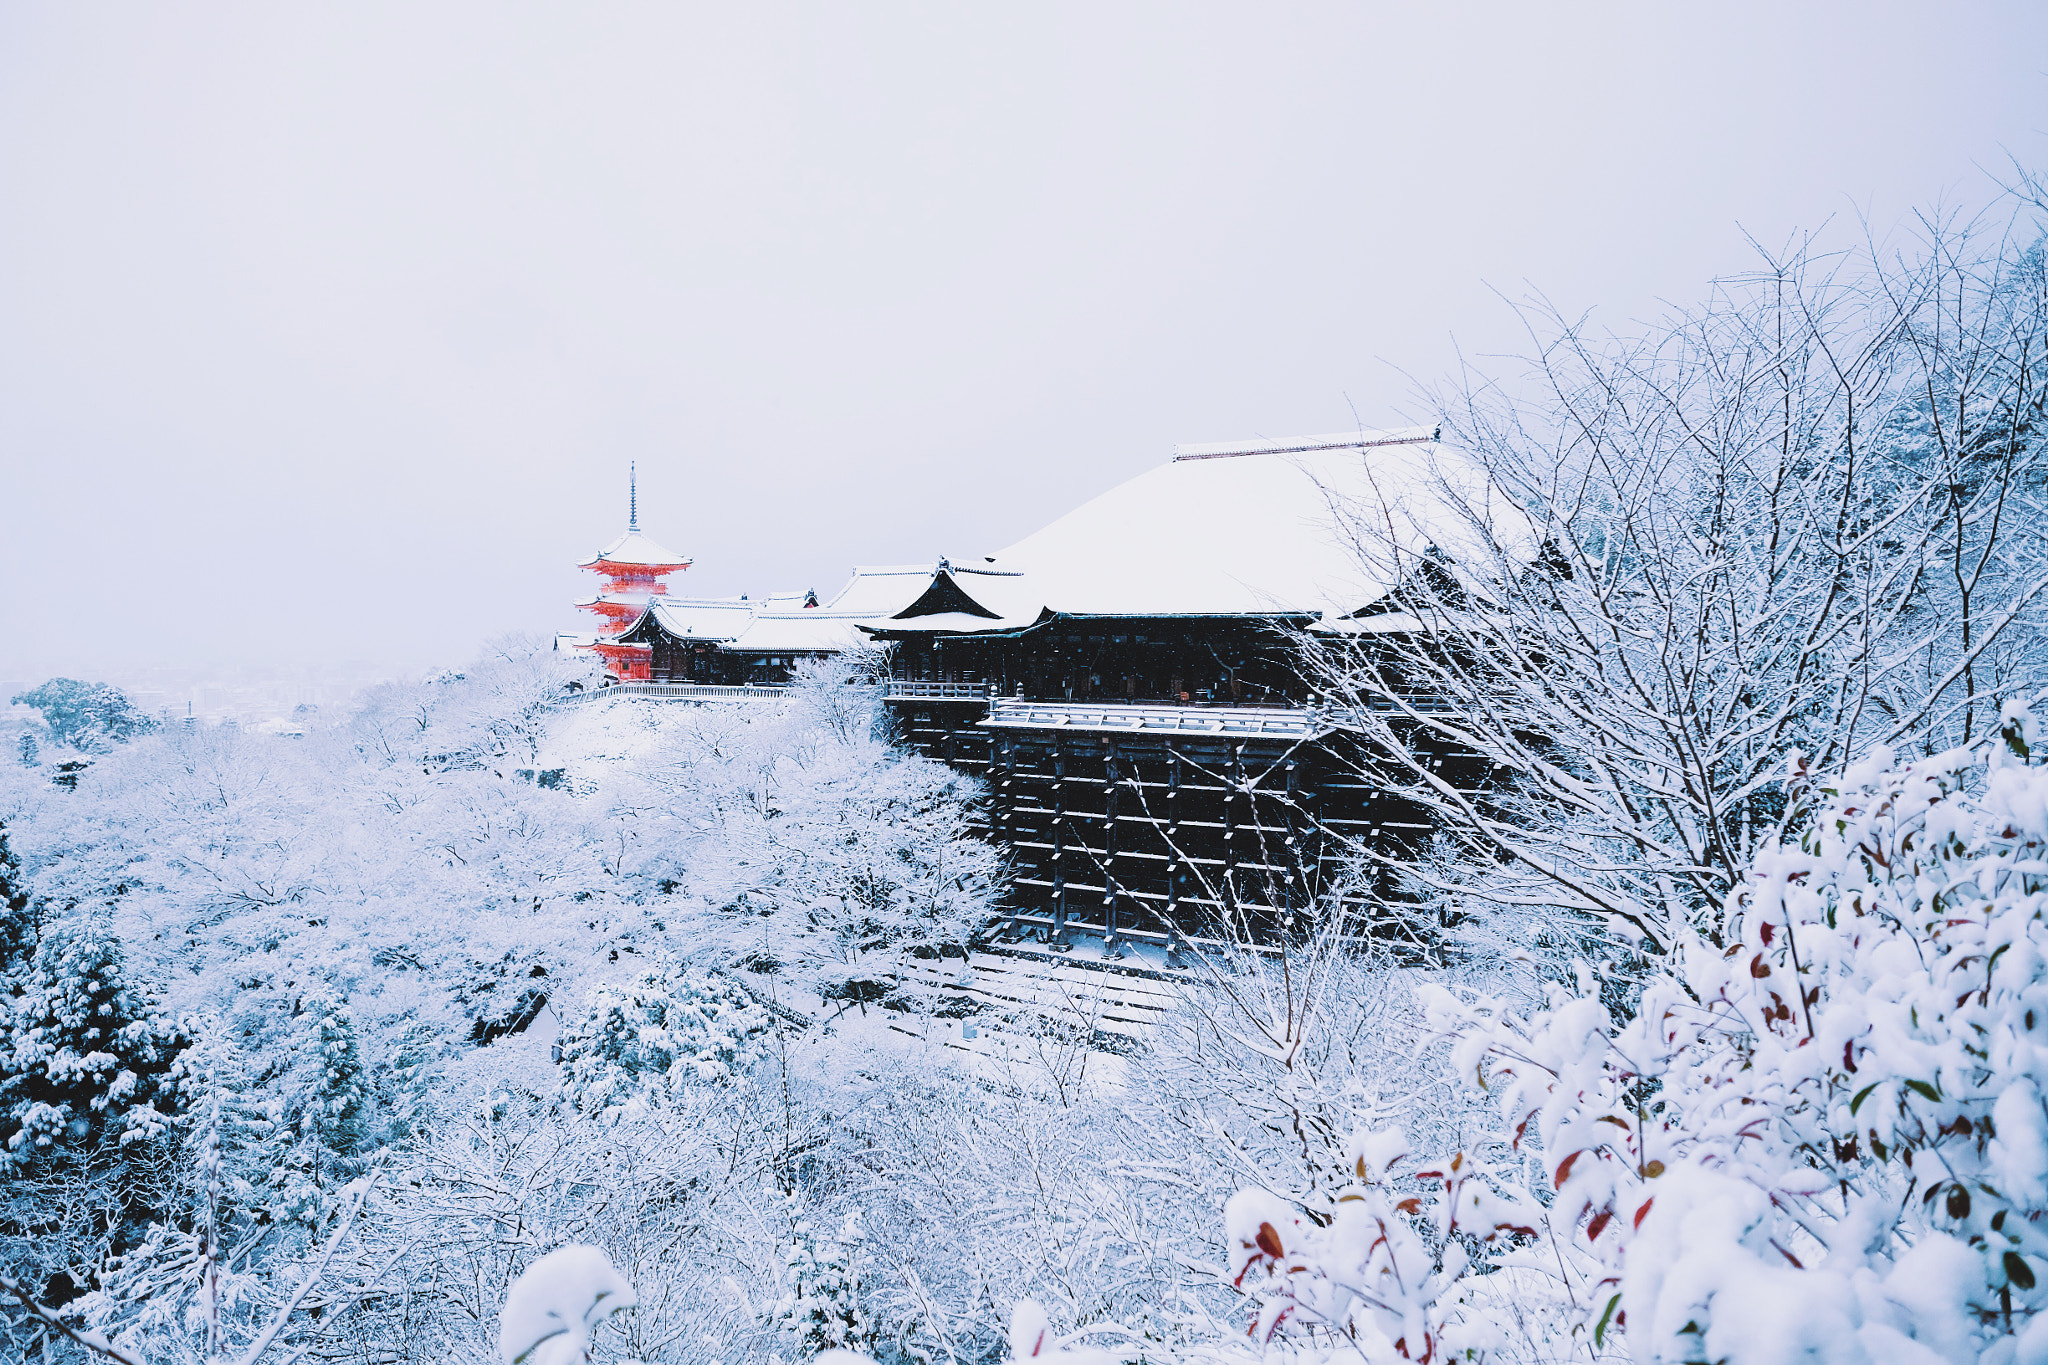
(1298, 445)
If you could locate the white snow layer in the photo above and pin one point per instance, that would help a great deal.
(557, 1303)
(1290, 526)
(635, 548)
(782, 624)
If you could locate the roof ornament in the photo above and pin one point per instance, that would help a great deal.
(632, 495)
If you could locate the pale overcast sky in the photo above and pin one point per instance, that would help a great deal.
(327, 331)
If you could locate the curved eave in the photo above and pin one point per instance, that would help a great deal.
(909, 630)
(625, 567)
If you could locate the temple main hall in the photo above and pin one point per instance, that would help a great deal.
(1127, 680)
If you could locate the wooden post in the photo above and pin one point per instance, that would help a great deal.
(1291, 881)
(1230, 850)
(1059, 844)
(1175, 873)
(1002, 775)
(1112, 945)
(1311, 834)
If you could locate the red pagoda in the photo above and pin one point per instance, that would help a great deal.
(634, 569)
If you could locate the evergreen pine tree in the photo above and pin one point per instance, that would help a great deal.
(824, 1306)
(242, 1132)
(91, 717)
(337, 1112)
(88, 1058)
(17, 922)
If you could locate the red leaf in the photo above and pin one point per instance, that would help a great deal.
(1759, 968)
(1599, 1224)
(1643, 1210)
(1412, 1204)
(1564, 1169)
(1269, 1241)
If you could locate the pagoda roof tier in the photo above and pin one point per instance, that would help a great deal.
(624, 601)
(635, 551)
(1310, 527)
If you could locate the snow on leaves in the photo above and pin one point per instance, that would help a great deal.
(666, 1029)
(1381, 1262)
(557, 1304)
(1826, 1140)
(87, 1058)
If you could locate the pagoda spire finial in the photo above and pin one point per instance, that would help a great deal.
(632, 496)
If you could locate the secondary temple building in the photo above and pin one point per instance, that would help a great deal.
(652, 636)
(1127, 679)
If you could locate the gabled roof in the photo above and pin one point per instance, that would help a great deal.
(814, 632)
(787, 626)
(782, 624)
(635, 548)
(714, 619)
(880, 589)
(1287, 527)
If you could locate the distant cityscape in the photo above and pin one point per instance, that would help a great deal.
(287, 699)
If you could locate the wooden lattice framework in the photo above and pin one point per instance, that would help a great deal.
(1149, 817)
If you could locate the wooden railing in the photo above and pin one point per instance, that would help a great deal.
(1010, 713)
(680, 692)
(901, 689)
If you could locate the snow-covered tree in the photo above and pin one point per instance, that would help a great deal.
(337, 1117)
(1823, 1134)
(1808, 514)
(492, 712)
(18, 927)
(89, 1098)
(823, 1303)
(88, 1057)
(851, 843)
(667, 1029)
(90, 717)
(553, 1310)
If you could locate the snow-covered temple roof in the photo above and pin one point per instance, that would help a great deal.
(1286, 527)
(698, 618)
(782, 624)
(634, 547)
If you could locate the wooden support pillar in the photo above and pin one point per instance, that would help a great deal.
(1292, 882)
(1176, 873)
(1310, 800)
(1231, 852)
(1059, 844)
(1002, 778)
(1112, 772)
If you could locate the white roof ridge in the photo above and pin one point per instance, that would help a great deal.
(636, 547)
(1299, 445)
